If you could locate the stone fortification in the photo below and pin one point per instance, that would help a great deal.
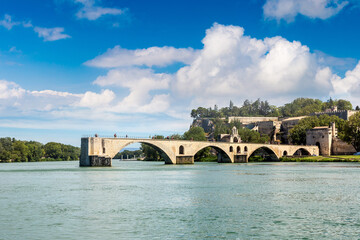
(328, 142)
(343, 114)
(321, 137)
(248, 120)
(340, 147)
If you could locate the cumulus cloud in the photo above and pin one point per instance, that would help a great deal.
(230, 65)
(289, 9)
(233, 65)
(153, 56)
(349, 85)
(10, 90)
(92, 12)
(51, 34)
(95, 100)
(139, 82)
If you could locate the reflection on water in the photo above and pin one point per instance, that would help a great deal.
(150, 200)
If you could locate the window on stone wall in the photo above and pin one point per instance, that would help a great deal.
(181, 150)
(238, 150)
(245, 149)
(231, 149)
(103, 150)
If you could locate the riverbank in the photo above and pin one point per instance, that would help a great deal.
(335, 158)
(41, 160)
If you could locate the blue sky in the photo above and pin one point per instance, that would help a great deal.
(75, 67)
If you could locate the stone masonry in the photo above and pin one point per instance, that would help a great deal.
(96, 150)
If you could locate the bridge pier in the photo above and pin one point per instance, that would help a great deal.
(184, 159)
(241, 158)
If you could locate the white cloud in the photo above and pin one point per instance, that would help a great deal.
(289, 9)
(232, 65)
(349, 85)
(8, 23)
(14, 98)
(139, 82)
(48, 34)
(10, 90)
(153, 56)
(95, 100)
(91, 12)
(51, 34)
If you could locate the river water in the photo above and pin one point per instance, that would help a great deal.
(150, 200)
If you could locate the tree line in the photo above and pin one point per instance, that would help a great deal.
(348, 131)
(259, 108)
(12, 150)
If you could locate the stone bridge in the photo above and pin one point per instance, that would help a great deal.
(96, 151)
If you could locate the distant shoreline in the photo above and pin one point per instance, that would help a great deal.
(341, 158)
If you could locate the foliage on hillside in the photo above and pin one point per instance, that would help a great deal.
(298, 107)
(247, 135)
(352, 131)
(298, 133)
(31, 151)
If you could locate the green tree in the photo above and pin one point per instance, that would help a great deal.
(196, 134)
(20, 152)
(300, 107)
(53, 150)
(231, 105)
(344, 105)
(6, 147)
(175, 137)
(250, 136)
(352, 131)
(151, 153)
(36, 151)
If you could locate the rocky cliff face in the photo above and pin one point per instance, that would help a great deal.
(205, 123)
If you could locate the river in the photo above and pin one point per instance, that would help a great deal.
(150, 200)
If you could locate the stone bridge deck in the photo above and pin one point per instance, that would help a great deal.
(96, 151)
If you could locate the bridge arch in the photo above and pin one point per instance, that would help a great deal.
(267, 150)
(164, 152)
(301, 152)
(223, 156)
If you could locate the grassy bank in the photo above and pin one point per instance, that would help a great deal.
(335, 158)
(40, 160)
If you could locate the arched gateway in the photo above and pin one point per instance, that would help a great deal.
(96, 151)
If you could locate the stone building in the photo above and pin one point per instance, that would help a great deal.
(234, 137)
(270, 128)
(326, 139)
(279, 130)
